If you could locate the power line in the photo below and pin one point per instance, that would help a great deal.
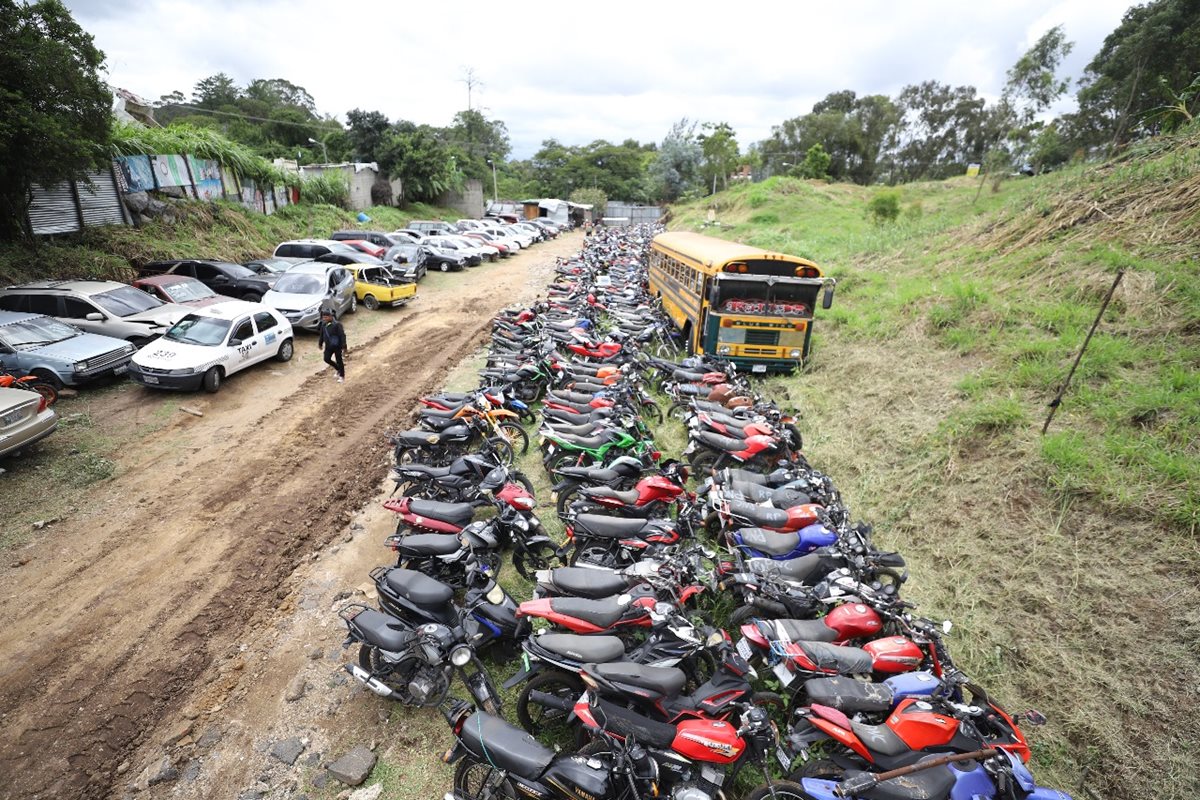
(314, 123)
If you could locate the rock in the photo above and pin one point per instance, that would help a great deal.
(315, 654)
(41, 523)
(357, 526)
(333, 551)
(191, 772)
(288, 750)
(178, 732)
(137, 201)
(320, 779)
(209, 738)
(189, 713)
(295, 689)
(195, 412)
(312, 759)
(67, 392)
(354, 767)
(369, 793)
(252, 794)
(342, 595)
(348, 538)
(154, 207)
(122, 768)
(162, 772)
(20, 562)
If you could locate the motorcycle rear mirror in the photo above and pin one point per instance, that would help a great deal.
(947, 625)
(1032, 717)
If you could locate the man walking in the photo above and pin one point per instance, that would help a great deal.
(332, 339)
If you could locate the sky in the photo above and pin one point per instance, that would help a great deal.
(576, 72)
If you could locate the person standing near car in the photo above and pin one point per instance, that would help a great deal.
(332, 339)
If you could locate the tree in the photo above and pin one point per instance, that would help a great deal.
(941, 129)
(474, 139)
(720, 148)
(816, 163)
(853, 131)
(215, 91)
(367, 132)
(1120, 85)
(675, 170)
(54, 107)
(416, 155)
(591, 197)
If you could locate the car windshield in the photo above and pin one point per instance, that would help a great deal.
(269, 265)
(35, 332)
(188, 291)
(195, 329)
(237, 270)
(402, 252)
(300, 283)
(126, 301)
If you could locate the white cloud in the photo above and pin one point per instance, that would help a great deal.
(578, 74)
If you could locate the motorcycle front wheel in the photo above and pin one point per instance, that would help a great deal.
(780, 790)
(476, 781)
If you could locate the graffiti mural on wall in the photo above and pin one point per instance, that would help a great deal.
(135, 172)
(207, 175)
(170, 171)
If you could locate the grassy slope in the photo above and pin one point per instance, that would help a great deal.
(202, 230)
(1069, 563)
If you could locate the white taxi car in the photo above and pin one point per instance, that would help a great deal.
(212, 343)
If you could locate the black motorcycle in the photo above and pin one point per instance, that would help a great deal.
(413, 665)
(456, 483)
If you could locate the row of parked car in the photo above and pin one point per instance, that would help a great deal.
(190, 323)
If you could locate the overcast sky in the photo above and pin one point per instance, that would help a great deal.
(579, 72)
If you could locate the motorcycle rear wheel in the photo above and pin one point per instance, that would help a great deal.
(549, 724)
(531, 559)
(474, 780)
(516, 436)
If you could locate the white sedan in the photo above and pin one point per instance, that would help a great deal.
(212, 343)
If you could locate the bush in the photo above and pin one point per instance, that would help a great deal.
(884, 207)
(328, 188)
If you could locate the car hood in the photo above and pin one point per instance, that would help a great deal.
(165, 315)
(166, 354)
(287, 301)
(80, 348)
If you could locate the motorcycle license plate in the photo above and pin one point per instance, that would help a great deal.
(743, 648)
(554, 497)
(759, 368)
(785, 758)
(783, 673)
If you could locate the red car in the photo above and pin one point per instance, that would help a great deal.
(488, 239)
(179, 289)
(366, 247)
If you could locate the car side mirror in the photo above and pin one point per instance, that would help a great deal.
(95, 316)
(827, 300)
(220, 279)
(234, 342)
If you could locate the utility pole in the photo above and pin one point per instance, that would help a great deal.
(495, 192)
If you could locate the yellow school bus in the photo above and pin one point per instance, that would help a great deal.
(749, 305)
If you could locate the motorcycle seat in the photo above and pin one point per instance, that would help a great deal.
(439, 413)
(451, 398)
(552, 414)
(626, 723)
(770, 542)
(749, 492)
(930, 784)
(584, 649)
(420, 471)
(792, 569)
(760, 515)
(571, 397)
(427, 438)
(417, 587)
(627, 497)
(806, 630)
(846, 660)
(458, 513)
(382, 630)
(585, 442)
(429, 544)
(689, 376)
(601, 612)
(668, 681)
(848, 694)
(492, 740)
(591, 474)
(608, 527)
(583, 582)
(723, 444)
(562, 428)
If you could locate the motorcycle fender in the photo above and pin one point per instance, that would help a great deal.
(457, 751)
(819, 789)
(528, 670)
(534, 541)
(840, 734)
(688, 592)
(561, 485)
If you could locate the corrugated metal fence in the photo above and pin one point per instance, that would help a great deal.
(636, 214)
(68, 207)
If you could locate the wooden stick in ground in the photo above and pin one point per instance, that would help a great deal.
(867, 780)
(1057, 401)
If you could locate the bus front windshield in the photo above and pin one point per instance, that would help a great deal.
(769, 297)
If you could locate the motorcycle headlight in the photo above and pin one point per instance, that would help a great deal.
(496, 595)
(460, 656)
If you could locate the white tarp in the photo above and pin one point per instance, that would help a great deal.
(556, 210)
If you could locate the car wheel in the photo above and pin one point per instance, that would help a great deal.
(212, 380)
(286, 349)
(251, 297)
(445, 266)
(46, 376)
(371, 302)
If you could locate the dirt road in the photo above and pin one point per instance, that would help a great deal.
(146, 593)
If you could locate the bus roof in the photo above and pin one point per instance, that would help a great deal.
(714, 254)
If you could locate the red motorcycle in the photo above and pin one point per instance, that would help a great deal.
(652, 496)
(582, 615)
(707, 450)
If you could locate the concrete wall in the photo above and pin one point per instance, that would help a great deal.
(360, 182)
(468, 202)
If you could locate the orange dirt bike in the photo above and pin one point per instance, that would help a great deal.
(31, 383)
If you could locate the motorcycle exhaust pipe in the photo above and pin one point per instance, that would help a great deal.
(364, 677)
(552, 701)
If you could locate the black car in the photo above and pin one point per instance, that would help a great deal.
(222, 277)
(270, 265)
(410, 260)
